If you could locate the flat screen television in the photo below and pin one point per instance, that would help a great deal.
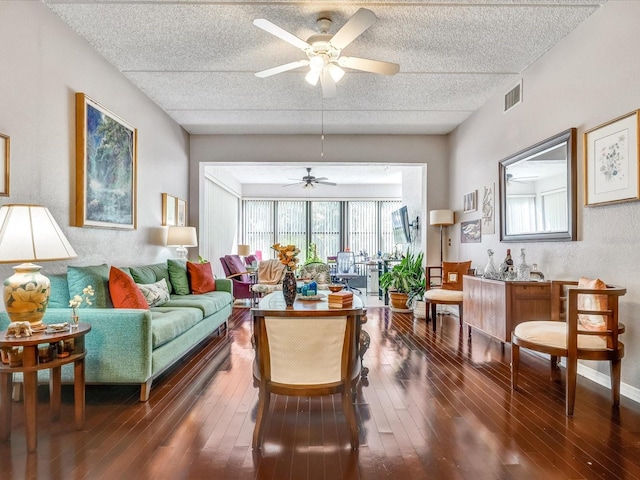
(400, 225)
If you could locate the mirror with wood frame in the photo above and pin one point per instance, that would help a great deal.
(538, 198)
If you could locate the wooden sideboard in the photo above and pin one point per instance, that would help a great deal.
(496, 307)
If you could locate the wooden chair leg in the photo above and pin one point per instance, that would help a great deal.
(460, 313)
(615, 381)
(264, 397)
(555, 369)
(572, 372)
(350, 415)
(515, 364)
(434, 316)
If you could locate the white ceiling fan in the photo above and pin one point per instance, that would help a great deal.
(324, 51)
(309, 180)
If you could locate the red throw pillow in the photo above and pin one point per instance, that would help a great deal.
(452, 273)
(201, 277)
(124, 291)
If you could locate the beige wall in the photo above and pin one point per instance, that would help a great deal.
(43, 64)
(587, 79)
(406, 149)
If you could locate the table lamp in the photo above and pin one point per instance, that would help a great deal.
(244, 250)
(29, 233)
(441, 218)
(182, 237)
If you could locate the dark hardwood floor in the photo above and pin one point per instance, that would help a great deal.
(434, 406)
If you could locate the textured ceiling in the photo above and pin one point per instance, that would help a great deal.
(197, 59)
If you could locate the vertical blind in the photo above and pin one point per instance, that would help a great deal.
(368, 225)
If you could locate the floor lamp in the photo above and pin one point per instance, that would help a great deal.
(441, 218)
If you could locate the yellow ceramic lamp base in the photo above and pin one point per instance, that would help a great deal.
(26, 295)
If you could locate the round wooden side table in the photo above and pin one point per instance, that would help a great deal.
(29, 369)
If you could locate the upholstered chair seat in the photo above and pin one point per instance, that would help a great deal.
(438, 295)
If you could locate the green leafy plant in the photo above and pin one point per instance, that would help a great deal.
(406, 277)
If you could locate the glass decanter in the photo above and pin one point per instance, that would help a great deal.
(523, 271)
(490, 271)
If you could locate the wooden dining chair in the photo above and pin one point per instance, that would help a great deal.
(444, 287)
(305, 354)
(583, 326)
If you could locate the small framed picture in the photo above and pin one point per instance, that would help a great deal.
(471, 201)
(169, 209)
(471, 231)
(181, 213)
(4, 165)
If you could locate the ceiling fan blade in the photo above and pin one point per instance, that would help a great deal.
(282, 68)
(328, 183)
(366, 65)
(281, 33)
(320, 178)
(290, 184)
(357, 24)
(328, 85)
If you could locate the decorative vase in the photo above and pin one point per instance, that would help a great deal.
(289, 288)
(26, 295)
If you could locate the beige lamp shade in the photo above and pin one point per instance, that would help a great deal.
(29, 233)
(441, 217)
(244, 250)
(182, 237)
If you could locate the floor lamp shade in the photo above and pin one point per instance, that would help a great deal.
(182, 237)
(244, 250)
(29, 233)
(441, 218)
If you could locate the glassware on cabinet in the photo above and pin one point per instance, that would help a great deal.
(523, 271)
(490, 271)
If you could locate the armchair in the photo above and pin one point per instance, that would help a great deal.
(235, 270)
(583, 325)
(319, 272)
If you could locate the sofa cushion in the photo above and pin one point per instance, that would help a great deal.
(124, 291)
(200, 277)
(169, 323)
(59, 293)
(149, 274)
(95, 275)
(155, 294)
(178, 276)
(208, 303)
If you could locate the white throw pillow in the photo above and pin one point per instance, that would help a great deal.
(155, 294)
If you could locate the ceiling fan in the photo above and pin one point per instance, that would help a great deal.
(324, 51)
(309, 180)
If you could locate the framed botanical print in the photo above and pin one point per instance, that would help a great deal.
(106, 156)
(611, 161)
(181, 213)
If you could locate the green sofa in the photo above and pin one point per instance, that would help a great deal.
(130, 346)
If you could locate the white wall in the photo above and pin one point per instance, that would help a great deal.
(587, 79)
(365, 149)
(43, 64)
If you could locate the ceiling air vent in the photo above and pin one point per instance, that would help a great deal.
(513, 97)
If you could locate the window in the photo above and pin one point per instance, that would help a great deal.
(367, 225)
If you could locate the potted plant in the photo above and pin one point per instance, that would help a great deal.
(405, 281)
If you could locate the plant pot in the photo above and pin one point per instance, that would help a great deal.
(420, 309)
(398, 300)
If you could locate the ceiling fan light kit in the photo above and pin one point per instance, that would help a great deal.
(323, 52)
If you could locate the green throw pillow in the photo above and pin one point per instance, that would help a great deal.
(149, 274)
(98, 277)
(59, 296)
(178, 276)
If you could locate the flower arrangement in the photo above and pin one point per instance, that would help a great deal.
(288, 255)
(77, 300)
